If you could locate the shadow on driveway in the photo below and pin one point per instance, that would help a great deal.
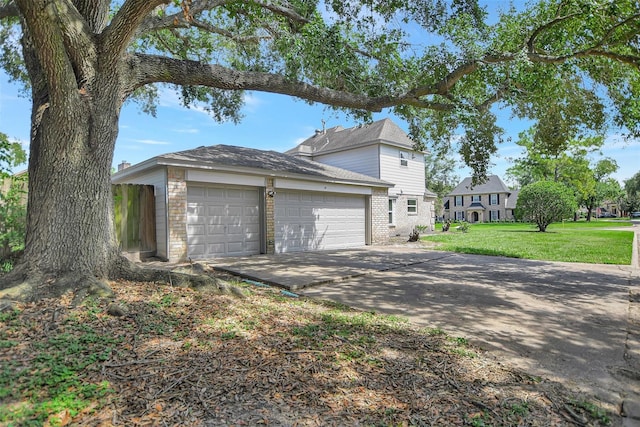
(563, 321)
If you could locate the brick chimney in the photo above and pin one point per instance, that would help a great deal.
(123, 165)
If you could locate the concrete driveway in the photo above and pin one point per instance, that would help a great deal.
(563, 321)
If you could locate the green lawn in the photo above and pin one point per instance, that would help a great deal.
(589, 242)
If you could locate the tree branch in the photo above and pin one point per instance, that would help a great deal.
(123, 27)
(78, 41)
(553, 22)
(9, 10)
(153, 69)
(95, 13)
(42, 23)
(176, 20)
(286, 12)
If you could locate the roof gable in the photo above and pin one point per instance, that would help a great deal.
(493, 185)
(335, 139)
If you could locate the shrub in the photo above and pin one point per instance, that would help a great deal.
(544, 202)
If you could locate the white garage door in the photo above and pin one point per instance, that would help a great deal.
(306, 220)
(222, 221)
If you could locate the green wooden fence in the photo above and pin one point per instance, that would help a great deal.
(134, 209)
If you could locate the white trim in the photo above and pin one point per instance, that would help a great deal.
(291, 184)
(214, 177)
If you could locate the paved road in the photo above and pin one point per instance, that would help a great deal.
(564, 321)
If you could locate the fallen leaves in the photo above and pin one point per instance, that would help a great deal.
(190, 358)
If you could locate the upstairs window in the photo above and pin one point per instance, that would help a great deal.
(457, 201)
(476, 198)
(494, 199)
(404, 158)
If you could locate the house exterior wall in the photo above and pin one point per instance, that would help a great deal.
(177, 213)
(408, 179)
(379, 216)
(405, 169)
(363, 160)
(406, 221)
(484, 215)
(177, 210)
(157, 178)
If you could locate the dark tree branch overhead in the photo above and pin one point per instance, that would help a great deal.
(159, 69)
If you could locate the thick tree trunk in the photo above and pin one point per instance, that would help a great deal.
(70, 241)
(69, 225)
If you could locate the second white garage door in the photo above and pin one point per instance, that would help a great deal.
(222, 221)
(306, 220)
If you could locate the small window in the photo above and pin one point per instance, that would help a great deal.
(495, 215)
(404, 158)
(392, 208)
(457, 201)
(412, 206)
(494, 199)
(476, 198)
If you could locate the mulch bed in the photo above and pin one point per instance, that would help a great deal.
(193, 358)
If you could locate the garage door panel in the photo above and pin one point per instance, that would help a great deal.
(195, 211)
(196, 230)
(313, 220)
(215, 230)
(193, 192)
(222, 221)
(215, 193)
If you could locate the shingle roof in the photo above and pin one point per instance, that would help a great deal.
(338, 138)
(513, 199)
(493, 185)
(269, 161)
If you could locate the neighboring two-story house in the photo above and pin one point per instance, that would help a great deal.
(487, 202)
(384, 151)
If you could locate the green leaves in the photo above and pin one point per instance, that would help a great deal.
(545, 202)
(571, 66)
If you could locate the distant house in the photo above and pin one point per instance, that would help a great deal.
(487, 202)
(383, 151)
(224, 200)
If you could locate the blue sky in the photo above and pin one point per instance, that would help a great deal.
(271, 122)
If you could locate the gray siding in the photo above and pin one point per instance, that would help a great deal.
(408, 179)
(363, 160)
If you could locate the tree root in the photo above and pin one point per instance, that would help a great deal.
(25, 284)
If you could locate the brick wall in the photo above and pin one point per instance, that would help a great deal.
(270, 216)
(379, 216)
(405, 222)
(177, 213)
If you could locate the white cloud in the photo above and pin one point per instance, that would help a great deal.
(251, 102)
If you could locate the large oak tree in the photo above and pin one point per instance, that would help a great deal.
(436, 63)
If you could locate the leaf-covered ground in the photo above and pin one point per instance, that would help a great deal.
(160, 355)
